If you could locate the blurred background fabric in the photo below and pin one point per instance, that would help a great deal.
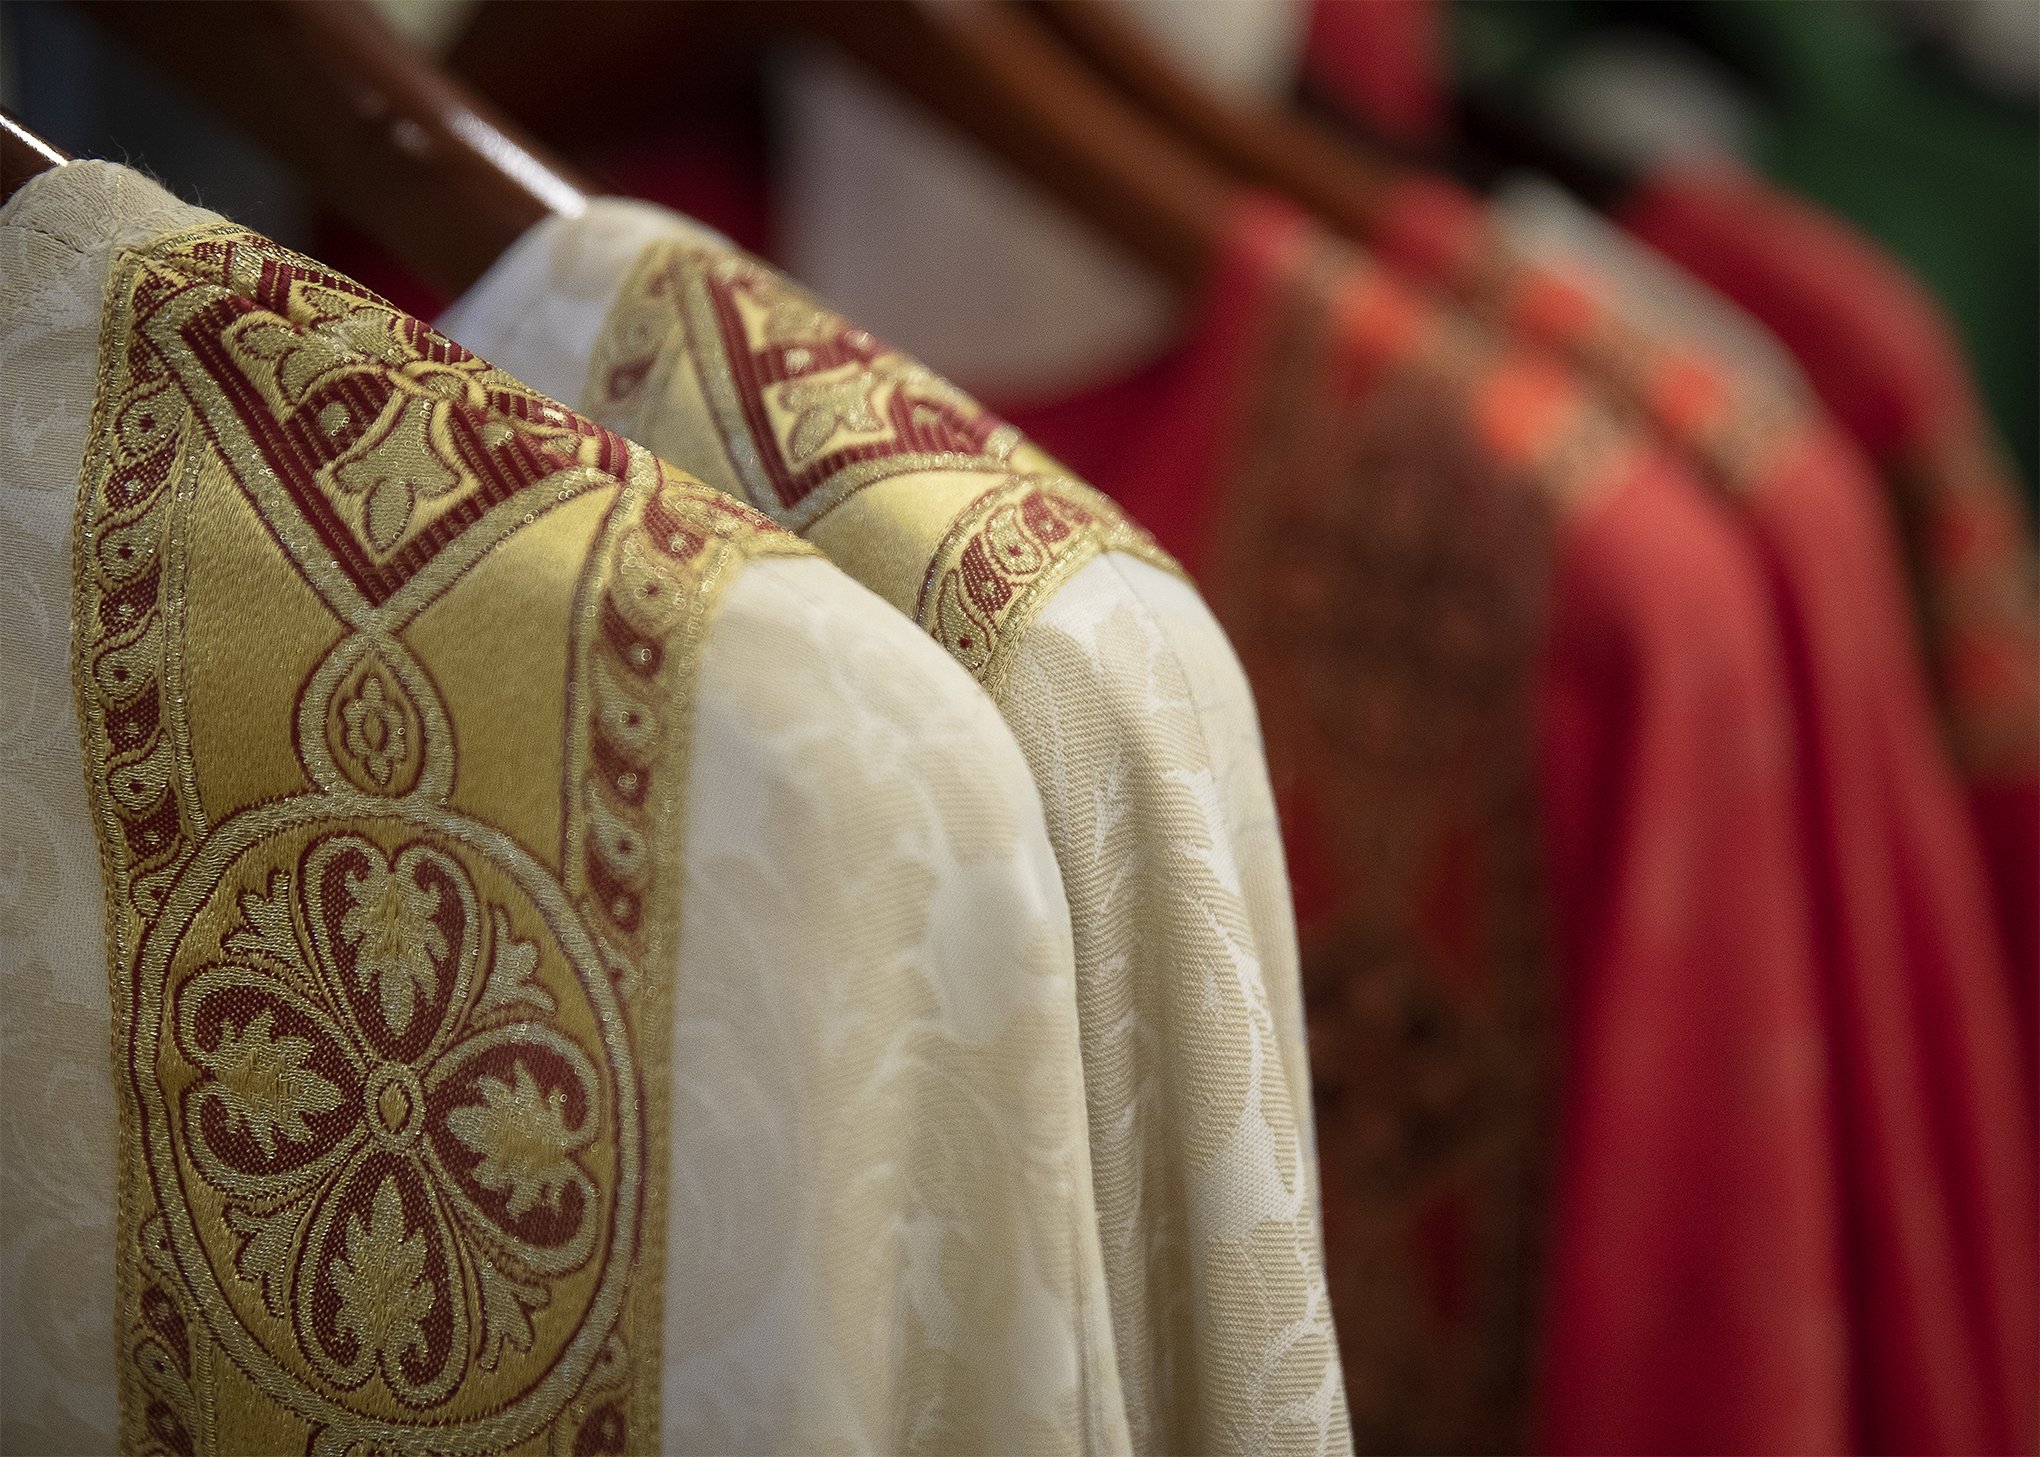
(1624, 513)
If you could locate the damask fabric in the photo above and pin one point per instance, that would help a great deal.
(1529, 723)
(1136, 722)
(1936, 1129)
(1882, 355)
(585, 975)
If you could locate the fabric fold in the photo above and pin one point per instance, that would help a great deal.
(1135, 719)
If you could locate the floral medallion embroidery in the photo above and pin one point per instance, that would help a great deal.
(392, 1064)
(377, 731)
(403, 1151)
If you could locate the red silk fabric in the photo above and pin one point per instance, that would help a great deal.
(1883, 357)
(1935, 1132)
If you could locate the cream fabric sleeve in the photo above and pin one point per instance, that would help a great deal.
(1140, 730)
(879, 1174)
(58, 1120)
(882, 1232)
(1135, 719)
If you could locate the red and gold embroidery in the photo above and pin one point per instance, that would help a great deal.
(390, 995)
(1006, 555)
(1968, 545)
(906, 482)
(1738, 433)
(810, 408)
(1976, 585)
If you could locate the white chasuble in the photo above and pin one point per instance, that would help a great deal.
(1132, 712)
(505, 948)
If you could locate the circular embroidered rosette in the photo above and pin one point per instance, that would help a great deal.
(391, 1117)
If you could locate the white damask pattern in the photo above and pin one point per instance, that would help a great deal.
(57, 1115)
(880, 1169)
(1141, 733)
(1138, 724)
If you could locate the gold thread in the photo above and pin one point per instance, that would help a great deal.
(690, 319)
(423, 886)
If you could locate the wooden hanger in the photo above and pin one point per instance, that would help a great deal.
(384, 138)
(1333, 171)
(1264, 146)
(407, 155)
(994, 73)
(654, 64)
(23, 154)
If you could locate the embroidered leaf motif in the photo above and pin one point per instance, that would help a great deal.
(267, 1241)
(397, 942)
(925, 387)
(395, 464)
(265, 1084)
(822, 406)
(265, 923)
(510, 977)
(523, 1138)
(507, 1305)
(792, 318)
(296, 360)
(384, 1297)
(372, 331)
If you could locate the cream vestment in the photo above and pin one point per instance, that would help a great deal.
(438, 1028)
(1134, 717)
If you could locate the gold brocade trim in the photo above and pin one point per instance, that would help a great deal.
(709, 356)
(1005, 556)
(391, 996)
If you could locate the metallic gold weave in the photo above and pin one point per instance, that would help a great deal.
(384, 668)
(905, 482)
